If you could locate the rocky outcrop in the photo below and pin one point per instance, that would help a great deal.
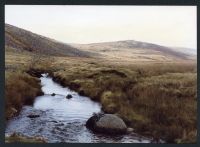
(106, 123)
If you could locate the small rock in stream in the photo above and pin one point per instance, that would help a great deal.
(54, 121)
(69, 96)
(130, 130)
(53, 94)
(33, 115)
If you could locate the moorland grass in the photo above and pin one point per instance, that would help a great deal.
(156, 99)
(20, 89)
(16, 138)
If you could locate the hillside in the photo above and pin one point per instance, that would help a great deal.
(189, 51)
(136, 51)
(17, 39)
(152, 88)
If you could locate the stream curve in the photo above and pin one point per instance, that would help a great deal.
(63, 120)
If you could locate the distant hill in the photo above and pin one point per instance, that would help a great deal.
(188, 51)
(17, 39)
(136, 50)
(21, 40)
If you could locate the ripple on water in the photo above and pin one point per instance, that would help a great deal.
(61, 119)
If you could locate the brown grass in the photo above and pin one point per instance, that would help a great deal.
(16, 138)
(156, 99)
(20, 89)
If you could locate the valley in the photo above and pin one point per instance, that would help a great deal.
(151, 87)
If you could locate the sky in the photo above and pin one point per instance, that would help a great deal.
(165, 25)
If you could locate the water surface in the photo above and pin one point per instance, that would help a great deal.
(62, 119)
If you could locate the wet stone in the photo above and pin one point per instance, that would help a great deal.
(33, 115)
(53, 94)
(69, 96)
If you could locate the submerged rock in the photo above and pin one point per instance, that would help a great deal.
(81, 92)
(106, 123)
(53, 94)
(130, 130)
(69, 96)
(33, 115)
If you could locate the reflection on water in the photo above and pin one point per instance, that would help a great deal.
(62, 119)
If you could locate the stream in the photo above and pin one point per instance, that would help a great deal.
(63, 120)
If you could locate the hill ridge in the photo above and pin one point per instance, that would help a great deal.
(26, 40)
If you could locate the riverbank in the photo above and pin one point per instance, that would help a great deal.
(156, 99)
(16, 138)
(20, 89)
(59, 119)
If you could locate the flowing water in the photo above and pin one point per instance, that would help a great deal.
(63, 120)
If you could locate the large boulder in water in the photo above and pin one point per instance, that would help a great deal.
(106, 123)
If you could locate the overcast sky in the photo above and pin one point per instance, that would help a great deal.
(164, 25)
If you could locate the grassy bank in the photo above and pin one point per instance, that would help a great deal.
(22, 86)
(16, 138)
(20, 89)
(157, 100)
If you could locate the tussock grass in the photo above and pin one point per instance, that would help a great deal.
(158, 100)
(16, 138)
(20, 89)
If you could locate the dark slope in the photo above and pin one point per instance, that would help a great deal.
(20, 39)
